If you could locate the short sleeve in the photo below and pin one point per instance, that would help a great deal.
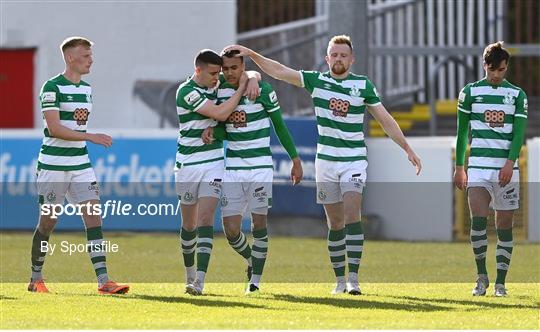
(372, 96)
(308, 79)
(190, 99)
(49, 97)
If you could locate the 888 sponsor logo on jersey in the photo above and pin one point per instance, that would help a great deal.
(339, 107)
(494, 118)
(238, 119)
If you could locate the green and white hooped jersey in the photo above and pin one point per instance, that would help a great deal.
(340, 105)
(74, 103)
(190, 97)
(248, 128)
(492, 110)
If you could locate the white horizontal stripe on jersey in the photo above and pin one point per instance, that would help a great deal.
(350, 118)
(190, 141)
(251, 144)
(521, 115)
(197, 124)
(340, 152)
(488, 90)
(71, 124)
(491, 143)
(328, 94)
(72, 89)
(63, 160)
(70, 106)
(199, 156)
(486, 162)
(361, 83)
(51, 141)
(249, 162)
(480, 125)
(481, 108)
(336, 133)
(251, 126)
(251, 108)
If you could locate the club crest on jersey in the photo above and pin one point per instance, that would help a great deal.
(188, 197)
(355, 91)
(51, 197)
(224, 201)
(508, 99)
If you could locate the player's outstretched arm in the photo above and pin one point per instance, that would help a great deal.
(391, 128)
(56, 129)
(222, 111)
(269, 66)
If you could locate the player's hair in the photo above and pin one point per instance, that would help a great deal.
(232, 54)
(495, 54)
(75, 41)
(341, 39)
(207, 57)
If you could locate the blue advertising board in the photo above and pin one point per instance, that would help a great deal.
(137, 172)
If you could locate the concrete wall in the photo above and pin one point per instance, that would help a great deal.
(411, 207)
(533, 160)
(133, 40)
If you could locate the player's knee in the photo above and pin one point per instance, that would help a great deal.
(259, 221)
(504, 221)
(46, 225)
(206, 219)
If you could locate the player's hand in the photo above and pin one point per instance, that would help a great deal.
(415, 160)
(505, 174)
(243, 81)
(252, 89)
(208, 135)
(243, 51)
(460, 178)
(297, 173)
(101, 139)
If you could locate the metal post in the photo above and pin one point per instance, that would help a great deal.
(350, 17)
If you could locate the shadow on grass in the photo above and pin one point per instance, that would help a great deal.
(2, 297)
(476, 303)
(202, 301)
(360, 302)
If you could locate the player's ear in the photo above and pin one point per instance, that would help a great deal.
(198, 70)
(326, 58)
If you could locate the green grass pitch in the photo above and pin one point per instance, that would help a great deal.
(405, 286)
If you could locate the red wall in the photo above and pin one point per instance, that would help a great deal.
(17, 88)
